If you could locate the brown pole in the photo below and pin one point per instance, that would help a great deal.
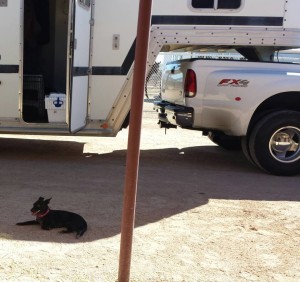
(133, 147)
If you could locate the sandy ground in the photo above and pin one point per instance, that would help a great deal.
(203, 214)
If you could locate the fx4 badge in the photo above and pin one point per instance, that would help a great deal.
(234, 82)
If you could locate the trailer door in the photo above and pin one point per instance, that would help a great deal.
(79, 63)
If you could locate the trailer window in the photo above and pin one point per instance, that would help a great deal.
(216, 4)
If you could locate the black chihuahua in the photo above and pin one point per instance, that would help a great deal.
(49, 219)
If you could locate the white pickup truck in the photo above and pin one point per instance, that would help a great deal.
(250, 104)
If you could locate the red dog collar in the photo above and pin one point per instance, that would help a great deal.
(42, 215)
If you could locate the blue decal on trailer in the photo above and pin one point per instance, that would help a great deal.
(58, 102)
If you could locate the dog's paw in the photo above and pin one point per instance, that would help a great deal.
(20, 223)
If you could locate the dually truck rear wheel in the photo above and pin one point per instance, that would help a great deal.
(274, 143)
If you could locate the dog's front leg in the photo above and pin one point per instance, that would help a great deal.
(31, 222)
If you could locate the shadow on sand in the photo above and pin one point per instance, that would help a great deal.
(171, 181)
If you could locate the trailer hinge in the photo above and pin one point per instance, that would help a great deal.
(92, 22)
(89, 71)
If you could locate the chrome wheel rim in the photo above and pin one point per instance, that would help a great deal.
(284, 144)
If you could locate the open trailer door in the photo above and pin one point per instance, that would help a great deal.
(79, 51)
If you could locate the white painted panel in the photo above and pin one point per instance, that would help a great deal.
(10, 54)
(9, 95)
(259, 8)
(105, 90)
(79, 104)
(121, 18)
(82, 35)
(10, 22)
(113, 17)
(292, 17)
(79, 94)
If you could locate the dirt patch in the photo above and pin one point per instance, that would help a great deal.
(203, 214)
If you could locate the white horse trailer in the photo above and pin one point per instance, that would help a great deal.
(75, 57)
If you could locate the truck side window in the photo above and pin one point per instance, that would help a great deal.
(216, 4)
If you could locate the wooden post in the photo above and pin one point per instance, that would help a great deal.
(133, 147)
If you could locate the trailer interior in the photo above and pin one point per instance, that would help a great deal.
(45, 37)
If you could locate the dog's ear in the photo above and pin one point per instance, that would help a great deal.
(47, 201)
(41, 199)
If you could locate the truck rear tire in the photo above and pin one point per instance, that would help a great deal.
(227, 142)
(274, 143)
(246, 150)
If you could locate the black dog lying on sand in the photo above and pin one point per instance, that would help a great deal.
(49, 219)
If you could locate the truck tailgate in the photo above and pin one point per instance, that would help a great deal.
(172, 84)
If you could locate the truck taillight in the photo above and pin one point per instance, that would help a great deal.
(190, 84)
